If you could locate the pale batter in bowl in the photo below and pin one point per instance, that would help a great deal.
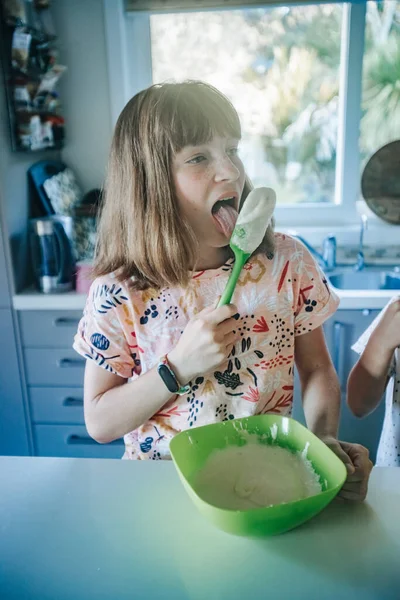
(255, 475)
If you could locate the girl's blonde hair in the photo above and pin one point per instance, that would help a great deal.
(141, 234)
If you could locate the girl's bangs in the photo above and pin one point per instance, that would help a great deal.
(201, 113)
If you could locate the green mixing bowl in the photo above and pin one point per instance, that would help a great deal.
(190, 450)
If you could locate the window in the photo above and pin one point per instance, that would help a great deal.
(280, 68)
(380, 121)
(315, 101)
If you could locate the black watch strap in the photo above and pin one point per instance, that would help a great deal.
(169, 378)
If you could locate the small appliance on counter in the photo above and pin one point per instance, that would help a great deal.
(52, 253)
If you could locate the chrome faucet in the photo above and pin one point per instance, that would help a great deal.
(329, 253)
(360, 264)
(326, 260)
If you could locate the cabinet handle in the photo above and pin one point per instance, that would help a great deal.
(72, 401)
(65, 322)
(68, 363)
(338, 329)
(82, 440)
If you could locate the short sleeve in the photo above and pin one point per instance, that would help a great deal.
(362, 341)
(314, 299)
(101, 331)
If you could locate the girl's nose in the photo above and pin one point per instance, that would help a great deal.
(226, 170)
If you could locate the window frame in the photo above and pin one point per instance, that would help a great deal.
(128, 44)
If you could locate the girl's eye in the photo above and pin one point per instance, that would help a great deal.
(233, 151)
(196, 159)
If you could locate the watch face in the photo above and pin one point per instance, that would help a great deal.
(380, 183)
(168, 378)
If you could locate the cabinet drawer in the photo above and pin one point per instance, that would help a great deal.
(57, 405)
(72, 441)
(48, 329)
(57, 367)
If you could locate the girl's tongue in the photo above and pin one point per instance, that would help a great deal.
(225, 219)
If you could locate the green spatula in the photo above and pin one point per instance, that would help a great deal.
(250, 228)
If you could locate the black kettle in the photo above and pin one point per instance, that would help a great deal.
(52, 253)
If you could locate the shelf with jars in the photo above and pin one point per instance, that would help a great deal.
(31, 73)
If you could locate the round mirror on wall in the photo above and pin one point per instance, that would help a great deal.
(380, 183)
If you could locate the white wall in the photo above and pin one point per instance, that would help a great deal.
(84, 88)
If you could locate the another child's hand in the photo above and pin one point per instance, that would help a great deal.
(358, 465)
(387, 332)
(205, 343)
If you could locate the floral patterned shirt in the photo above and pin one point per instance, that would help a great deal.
(278, 298)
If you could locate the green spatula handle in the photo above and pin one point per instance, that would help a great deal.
(240, 261)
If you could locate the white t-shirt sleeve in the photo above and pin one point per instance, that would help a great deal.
(362, 341)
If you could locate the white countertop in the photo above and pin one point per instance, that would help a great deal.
(32, 300)
(364, 299)
(73, 529)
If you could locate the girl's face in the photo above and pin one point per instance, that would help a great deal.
(204, 175)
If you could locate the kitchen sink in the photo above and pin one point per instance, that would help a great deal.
(370, 278)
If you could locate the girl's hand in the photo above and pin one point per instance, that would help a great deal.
(205, 343)
(356, 460)
(387, 332)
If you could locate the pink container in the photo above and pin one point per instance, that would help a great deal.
(83, 277)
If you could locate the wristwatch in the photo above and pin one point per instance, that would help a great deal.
(170, 379)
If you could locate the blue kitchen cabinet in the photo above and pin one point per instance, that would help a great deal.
(49, 328)
(5, 301)
(15, 435)
(342, 330)
(54, 374)
(14, 419)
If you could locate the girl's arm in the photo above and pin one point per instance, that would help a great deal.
(368, 380)
(114, 407)
(369, 376)
(319, 384)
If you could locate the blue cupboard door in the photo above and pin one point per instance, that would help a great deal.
(5, 300)
(15, 435)
(73, 441)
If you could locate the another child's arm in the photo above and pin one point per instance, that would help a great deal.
(321, 403)
(369, 376)
(114, 407)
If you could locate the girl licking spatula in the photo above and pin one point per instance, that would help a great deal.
(162, 356)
